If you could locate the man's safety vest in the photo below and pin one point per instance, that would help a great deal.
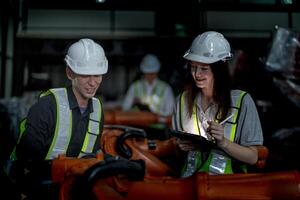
(217, 162)
(155, 100)
(63, 127)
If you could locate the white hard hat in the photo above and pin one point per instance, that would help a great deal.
(86, 57)
(209, 47)
(150, 64)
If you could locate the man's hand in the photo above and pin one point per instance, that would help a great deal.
(187, 145)
(137, 101)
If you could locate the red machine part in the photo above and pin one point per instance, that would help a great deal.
(65, 170)
(160, 184)
(140, 150)
(154, 165)
(201, 186)
(134, 118)
(277, 185)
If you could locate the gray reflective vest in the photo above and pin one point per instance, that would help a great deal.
(63, 127)
(217, 162)
(155, 100)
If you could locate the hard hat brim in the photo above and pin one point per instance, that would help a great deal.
(148, 71)
(89, 72)
(86, 71)
(202, 59)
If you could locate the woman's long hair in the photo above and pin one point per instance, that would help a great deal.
(222, 87)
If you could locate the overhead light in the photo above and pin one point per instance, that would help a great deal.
(100, 1)
(287, 1)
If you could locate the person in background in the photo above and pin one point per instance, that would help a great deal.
(210, 108)
(150, 93)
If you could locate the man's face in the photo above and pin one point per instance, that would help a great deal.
(150, 77)
(85, 86)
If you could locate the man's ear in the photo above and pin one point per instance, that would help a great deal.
(70, 73)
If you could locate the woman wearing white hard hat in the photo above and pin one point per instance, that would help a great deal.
(210, 108)
(150, 92)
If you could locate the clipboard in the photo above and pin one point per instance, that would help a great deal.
(202, 141)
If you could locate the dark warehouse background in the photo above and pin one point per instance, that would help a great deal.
(34, 36)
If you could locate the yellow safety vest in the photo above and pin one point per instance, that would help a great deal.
(217, 162)
(63, 127)
(156, 95)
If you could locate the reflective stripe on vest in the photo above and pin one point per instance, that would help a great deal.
(63, 128)
(217, 162)
(156, 96)
(93, 129)
(13, 155)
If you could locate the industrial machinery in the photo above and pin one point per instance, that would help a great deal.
(131, 167)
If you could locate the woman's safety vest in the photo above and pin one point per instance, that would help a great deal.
(217, 162)
(155, 100)
(63, 127)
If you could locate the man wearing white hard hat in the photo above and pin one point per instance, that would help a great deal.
(210, 108)
(67, 121)
(150, 92)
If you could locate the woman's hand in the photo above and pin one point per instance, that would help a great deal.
(216, 130)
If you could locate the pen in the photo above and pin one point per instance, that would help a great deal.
(222, 122)
(225, 120)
